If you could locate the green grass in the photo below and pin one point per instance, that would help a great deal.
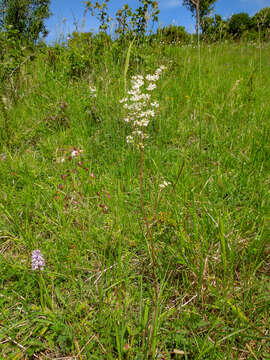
(211, 227)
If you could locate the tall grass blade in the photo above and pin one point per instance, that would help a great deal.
(127, 63)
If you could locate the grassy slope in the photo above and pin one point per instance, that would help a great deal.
(211, 228)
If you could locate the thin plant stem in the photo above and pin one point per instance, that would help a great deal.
(41, 291)
(148, 229)
(178, 176)
(152, 252)
(199, 63)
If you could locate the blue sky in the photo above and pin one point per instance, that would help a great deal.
(66, 13)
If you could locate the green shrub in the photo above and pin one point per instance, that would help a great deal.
(173, 34)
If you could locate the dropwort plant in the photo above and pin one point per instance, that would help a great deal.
(139, 107)
(140, 110)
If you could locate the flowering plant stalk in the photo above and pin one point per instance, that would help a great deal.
(140, 110)
(38, 264)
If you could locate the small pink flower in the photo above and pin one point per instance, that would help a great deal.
(38, 262)
(74, 153)
(92, 175)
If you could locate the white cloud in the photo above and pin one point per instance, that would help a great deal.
(169, 4)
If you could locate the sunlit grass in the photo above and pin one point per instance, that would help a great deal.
(210, 228)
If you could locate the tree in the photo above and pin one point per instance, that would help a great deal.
(25, 16)
(141, 16)
(239, 24)
(199, 8)
(127, 19)
(214, 28)
(262, 19)
(101, 11)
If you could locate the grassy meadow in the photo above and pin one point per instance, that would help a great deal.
(70, 187)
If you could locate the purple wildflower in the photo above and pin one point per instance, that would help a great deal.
(38, 262)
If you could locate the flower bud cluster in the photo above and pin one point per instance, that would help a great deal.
(139, 107)
(37, 259)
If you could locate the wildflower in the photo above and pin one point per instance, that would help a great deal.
(137, 78)
(137, 81)
(155, 104)
(130, 139)
(135, 98)
(107, 194)
(150, 77)
(123, 100)
(142, 123)
(38, 262)
(149, 113)
(139, 107)
(164, 184)
(145, 96)
(151, 87)
(75, 152)
(163, 67)
(104, 208)
(93, 91)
